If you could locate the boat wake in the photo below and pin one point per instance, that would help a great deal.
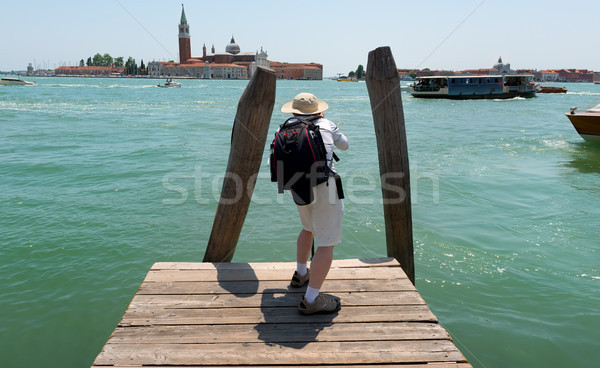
(584, 93)
(509, 99)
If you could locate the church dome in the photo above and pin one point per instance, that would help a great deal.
(499, 64)
(232, 48)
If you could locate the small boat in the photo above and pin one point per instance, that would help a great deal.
(586, 123)
(11, 81)
(169, 84)
(474, 87)
(344, 78)
(550, 89)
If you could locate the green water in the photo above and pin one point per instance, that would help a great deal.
(100, 178)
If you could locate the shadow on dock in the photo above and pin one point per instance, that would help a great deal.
(241, 289)
(292, 335)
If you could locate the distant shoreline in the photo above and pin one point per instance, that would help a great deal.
(194, 78)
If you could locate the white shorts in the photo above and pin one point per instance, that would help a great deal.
(323, 217)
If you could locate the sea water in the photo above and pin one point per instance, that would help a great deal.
(100, 178)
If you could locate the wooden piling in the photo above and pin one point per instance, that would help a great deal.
(383, 84)
(248, 139)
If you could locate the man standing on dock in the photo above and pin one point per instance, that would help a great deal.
(322, 218)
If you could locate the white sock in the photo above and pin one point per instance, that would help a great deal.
(301, 268)
(311, 294)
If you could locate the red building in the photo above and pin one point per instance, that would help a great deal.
(185, 49)
(309, 71)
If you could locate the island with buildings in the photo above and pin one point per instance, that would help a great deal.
(230, 64)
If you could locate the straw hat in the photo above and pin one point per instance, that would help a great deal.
(305, 104)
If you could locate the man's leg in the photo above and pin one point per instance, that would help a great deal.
(319, 266)
(313, 301)
(303, 246)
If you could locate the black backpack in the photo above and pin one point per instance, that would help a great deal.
(298, 160)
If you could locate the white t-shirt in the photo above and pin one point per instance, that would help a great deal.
(332, 136)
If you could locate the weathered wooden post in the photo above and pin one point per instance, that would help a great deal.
(248, 139)
(383, 84)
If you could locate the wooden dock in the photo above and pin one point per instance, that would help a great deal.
(244, 314)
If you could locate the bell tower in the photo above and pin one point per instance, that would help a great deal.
(185, 50)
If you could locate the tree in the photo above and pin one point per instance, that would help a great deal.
(131, 67)
(81, 62)
(107, 60)
(412, 74)
(89, 62)
(97, 60)
(143, 69)
(119, 63)
(360, 71)
(351, 74)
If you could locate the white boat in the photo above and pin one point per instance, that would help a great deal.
(169, 84)
(344, 78)
(12, 81)
(406, 88)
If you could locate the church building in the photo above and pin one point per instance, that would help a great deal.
(231, 64)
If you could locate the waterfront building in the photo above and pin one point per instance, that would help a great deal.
(199, 69)
(567, 75)
(548, 76)
(308, 71)
(233, 63)
(89, 71)
(575, 75)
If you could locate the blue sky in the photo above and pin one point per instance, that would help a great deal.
(434, 34)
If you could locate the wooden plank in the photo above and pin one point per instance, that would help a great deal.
(274, 333)
(370, 352)
(148, 317)
(337, 263)
(241, 287)
(417, 365)
(375, 273)
(365, 262)
(277, 298)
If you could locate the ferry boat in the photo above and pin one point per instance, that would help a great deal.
(12, 81)
(474, 87)
(586, 123)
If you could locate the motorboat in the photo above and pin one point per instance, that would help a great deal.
(169, 84)
(406, 88)
(12, 81)
(550, 89)
(586, 123)
(343, 78)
